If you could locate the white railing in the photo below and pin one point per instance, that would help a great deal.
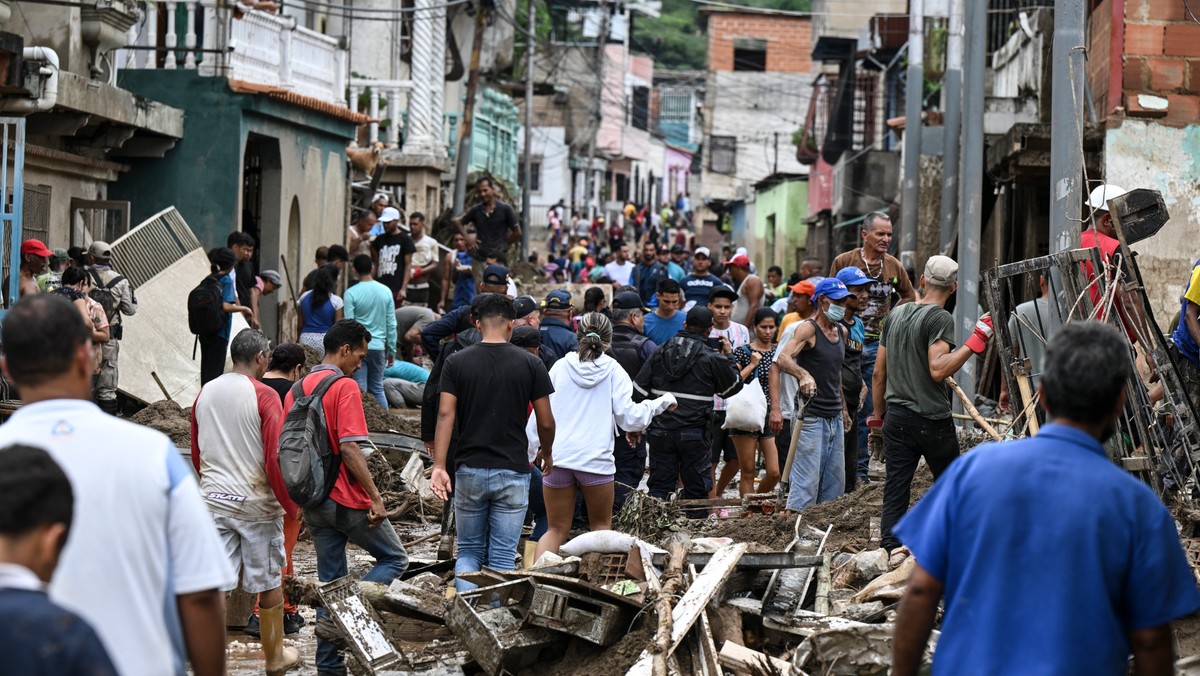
(234, 41)
(386, 99)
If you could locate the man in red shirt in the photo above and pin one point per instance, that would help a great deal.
(354, 510)
(1103, 235)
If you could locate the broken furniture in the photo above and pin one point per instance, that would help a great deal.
(359, 624)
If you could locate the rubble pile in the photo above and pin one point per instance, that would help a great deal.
(169, 418)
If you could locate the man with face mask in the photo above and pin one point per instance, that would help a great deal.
(814, 357)
(912, 400)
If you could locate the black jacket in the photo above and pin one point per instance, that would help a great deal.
(691, 370)
(630, 348)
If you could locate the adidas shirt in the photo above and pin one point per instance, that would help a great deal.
(141, 533)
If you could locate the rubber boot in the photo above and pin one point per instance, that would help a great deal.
(109, 406)
(279, 658)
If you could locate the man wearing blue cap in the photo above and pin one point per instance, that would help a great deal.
(858, 459)
(495, 280)
(814, 356)
(558, 338)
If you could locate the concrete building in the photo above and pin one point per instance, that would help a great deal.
(758, 88)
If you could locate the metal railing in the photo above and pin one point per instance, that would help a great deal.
(234, 41)
(1004, 19)
(153, 246)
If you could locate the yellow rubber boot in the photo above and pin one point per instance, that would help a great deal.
(279, 658)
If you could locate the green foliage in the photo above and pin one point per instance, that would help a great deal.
(541, 31)
(677, 40)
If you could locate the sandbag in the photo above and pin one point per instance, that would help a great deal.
(747, 410)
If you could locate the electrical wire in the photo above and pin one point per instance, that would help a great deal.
(1188, 8)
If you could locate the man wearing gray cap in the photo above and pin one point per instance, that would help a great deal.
(912, 400)
(105, 279)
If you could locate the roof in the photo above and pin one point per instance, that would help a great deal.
(714, 7)
(299, 100)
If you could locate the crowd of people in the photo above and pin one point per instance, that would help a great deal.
(676, 374)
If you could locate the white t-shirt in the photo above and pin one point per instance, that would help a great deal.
(426, 253)
(237, 422)
(620, 274)
(788, 385)
(737, 335)
(141, 534)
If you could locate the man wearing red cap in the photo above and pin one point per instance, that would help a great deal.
(35, 256)
(749, 290)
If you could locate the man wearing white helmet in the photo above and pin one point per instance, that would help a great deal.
(1103, 236)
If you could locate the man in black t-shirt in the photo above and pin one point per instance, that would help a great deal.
(487, 389)
(393, 252)
(495, 225)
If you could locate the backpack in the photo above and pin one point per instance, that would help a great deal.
(206, 308)
(626, 349)
(102, 293)
(308, 465)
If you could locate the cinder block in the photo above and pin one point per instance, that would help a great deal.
(1135, 75)
(1166, 74)
(1142, 40)
(1182, 39)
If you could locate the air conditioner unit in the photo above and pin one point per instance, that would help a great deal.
(15, 78)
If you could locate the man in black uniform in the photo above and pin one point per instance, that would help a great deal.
(631, 348)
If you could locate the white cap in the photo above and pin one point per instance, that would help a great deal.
(389, 214)
(702, 250)
(1100, 196)
(381, 196)
(741, 251)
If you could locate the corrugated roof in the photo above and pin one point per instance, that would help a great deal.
(300, 100)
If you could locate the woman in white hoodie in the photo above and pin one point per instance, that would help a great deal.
(592, 397)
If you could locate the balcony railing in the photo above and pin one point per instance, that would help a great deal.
(234, 41)
(387, 100)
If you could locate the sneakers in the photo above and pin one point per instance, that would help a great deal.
(291, 625)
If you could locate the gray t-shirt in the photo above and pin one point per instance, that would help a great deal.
(1029, 328)
(907, 334)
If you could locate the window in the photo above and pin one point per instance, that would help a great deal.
(535, 176)
(750, 54)
(105, 220)
(722, 155)
(639, 111)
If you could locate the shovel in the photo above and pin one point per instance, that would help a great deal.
(785, 483)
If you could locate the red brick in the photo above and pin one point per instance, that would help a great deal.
(1135, 75)
(1134, 109)
(1166, 74)
(1155, 10)
(1182, 39)
(1184, 108)
(1143, 40)
(1191, 80)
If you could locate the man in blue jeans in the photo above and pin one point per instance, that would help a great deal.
(486, 391)
(370, 303)
(354, 510)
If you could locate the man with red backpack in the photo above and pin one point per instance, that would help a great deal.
(353, 510)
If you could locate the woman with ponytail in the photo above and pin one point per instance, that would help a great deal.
(592, 397)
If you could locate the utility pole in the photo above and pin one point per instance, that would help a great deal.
(970, 225)
(602, 42)
(914, 91)
(1066, 126)
(953, 123)
(463, 161)
(527, 170)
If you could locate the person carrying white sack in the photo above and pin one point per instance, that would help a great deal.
(593, 396)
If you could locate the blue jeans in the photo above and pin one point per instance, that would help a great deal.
(369, 376)
(536, 511)
(489, 511)
(870, 350)
(331, 525)
(819, 467)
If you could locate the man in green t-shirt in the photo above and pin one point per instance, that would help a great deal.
(916, 355)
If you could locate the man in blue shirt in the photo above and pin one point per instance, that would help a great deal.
(1184, 339)
(495, 280)
(1052, 559)
(698, 285)
(648, 272)
(558, 338)
(666, 320)
(370, 303)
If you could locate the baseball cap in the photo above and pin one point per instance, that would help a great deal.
(526, 336)
(61, 254)
(97, 249)
(381, 196)
(722, 292)
(272, 277)
(389, 214)
(852, 276)
(524, 305)
(35, 247)
(740, 260)
(558, 299)
(941, 270)
(702, 251)
(677, 248)
(699, 317)
(1101, 194)
(495, 274)
(629, 300)
(831, 287)
(803, 287)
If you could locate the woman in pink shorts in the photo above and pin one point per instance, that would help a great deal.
(592, 396)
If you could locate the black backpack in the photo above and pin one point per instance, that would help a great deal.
(102, 293)
(206, 308)
(308, 464)
(626, 349)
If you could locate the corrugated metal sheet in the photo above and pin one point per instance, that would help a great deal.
(153, 246)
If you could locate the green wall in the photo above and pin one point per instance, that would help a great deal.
(787, 202)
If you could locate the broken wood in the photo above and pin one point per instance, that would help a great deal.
(969, 407)
(672, 582)
(1030, 410)
(704, 637)
(809, 573)
(703, 589)
(743, 660)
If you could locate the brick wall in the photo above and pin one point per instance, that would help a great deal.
(1162, 57)
(789, 40)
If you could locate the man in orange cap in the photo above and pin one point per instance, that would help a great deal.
(800, 305)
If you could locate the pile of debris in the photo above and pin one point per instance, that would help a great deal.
(169, 418)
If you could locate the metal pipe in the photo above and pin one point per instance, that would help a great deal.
(527, 170)
(971, 222)
(1066, 125)
(49, 97)
(914, 90)
(953, 125)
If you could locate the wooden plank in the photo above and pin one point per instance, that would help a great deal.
(808, 577)
(773, 583)
(689, 608)
(742, 660)
(824, 582)
(807, 623)
(704, 634)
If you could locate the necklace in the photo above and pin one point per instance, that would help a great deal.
(863, 256)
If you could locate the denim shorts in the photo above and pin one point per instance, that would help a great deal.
(560, 477)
